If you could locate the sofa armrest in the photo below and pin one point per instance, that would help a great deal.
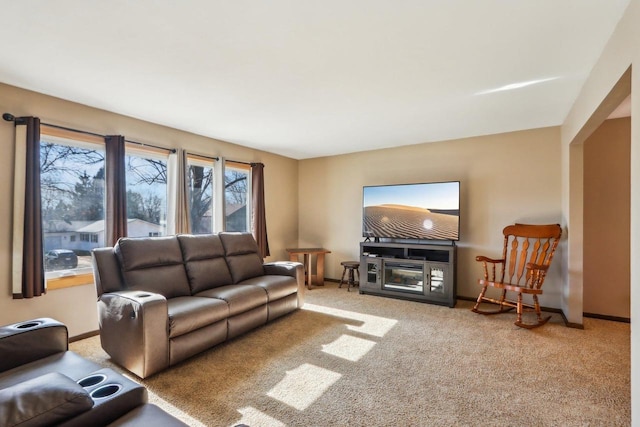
(24, 342)
(282, 268)
(134, 330)
(289, 268)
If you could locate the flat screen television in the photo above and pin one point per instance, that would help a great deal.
(427, 211)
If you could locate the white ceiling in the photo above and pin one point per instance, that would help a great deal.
(306, 78)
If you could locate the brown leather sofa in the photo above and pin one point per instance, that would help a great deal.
(164, 299)
(44, 384)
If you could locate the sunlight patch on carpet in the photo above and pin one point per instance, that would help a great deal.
(368, 324)
(303, 385)
(253, 417)
(349, 348)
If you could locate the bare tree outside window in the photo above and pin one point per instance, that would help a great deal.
(73, 199)
(72, 202)
(236, 187)
(146, 195)
(200, 198)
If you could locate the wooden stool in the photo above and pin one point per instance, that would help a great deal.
(350, 265)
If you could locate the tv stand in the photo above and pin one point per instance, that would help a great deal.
(418, 272)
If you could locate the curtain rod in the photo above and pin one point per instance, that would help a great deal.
(11, 118)
(242, 163)
(204, 156)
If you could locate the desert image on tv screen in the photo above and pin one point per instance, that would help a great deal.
(413, 211)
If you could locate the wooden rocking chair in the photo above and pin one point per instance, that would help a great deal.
(527, 254)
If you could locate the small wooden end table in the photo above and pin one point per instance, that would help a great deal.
(310, 279)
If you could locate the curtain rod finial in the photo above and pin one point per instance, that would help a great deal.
(8, 117)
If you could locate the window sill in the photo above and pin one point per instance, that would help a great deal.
(68, 281)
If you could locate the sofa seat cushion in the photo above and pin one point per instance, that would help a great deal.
(240, 298)
(43, 401)
(276, 286)
(187, 314)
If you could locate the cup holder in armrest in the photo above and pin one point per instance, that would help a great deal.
(105, 391)
(28, 325)
(91, 380)
(113, 396)
(143, 295)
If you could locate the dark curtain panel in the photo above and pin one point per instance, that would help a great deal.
(258, 218)
(116, 189)
(32, 250)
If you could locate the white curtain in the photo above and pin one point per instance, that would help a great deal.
(178, 203)
(18, 207)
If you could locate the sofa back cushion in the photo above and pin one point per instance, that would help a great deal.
(106, 271)
(243, 256)
(204, 261)
(153, 264)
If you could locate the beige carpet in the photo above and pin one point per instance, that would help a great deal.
(357, 360)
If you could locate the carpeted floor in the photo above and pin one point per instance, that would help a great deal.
(357, 360)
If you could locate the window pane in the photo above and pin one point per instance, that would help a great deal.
(200, 180)
(146, 195)
(72, 187)
(236, 191)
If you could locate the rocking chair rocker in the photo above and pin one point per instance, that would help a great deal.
(527, 254)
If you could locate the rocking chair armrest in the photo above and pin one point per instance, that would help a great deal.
(532, 266)
(481, 258)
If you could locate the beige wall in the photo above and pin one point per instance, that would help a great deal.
(506, 178)
(77, 306)
(327, 206)
(606, 219)
(594, 101)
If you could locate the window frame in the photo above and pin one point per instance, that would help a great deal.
(57, 280)
(219, 166)
(229, 164)
(204, 162)
(153, 153)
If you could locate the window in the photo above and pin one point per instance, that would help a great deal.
(236, 196)
(72, 201)
(146, 175)
(200, 181)
(72, 166)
